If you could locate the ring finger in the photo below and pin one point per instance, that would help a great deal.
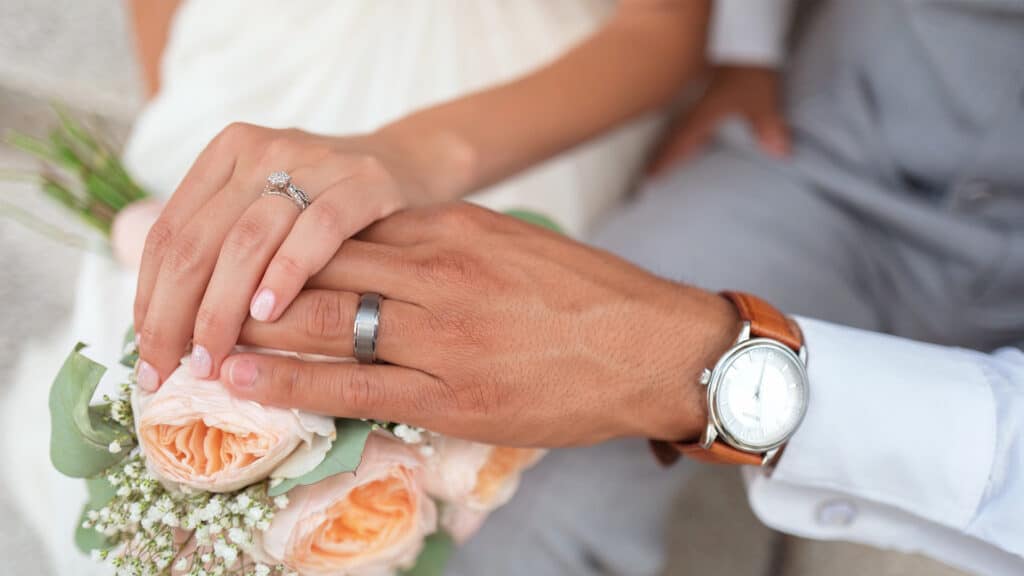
(247, 250)
(321, 322)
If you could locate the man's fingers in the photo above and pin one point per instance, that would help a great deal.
(335, 216)
(248, 247)
(772, 134)
(321, 322)
(402, 229)
(366, 267)
(343, 389)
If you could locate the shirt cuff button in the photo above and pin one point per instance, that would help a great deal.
(837, 513)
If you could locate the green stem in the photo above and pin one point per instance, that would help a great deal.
(32, 222)
(33, 146)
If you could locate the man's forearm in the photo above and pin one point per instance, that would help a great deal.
(634, 64)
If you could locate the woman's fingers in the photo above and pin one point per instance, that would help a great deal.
(247, 248)
(185, 270)
(321, 322)
(344, 208)
(210, 173)
(349, 390)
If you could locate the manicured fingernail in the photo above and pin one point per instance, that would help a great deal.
(147, 377)
(243, 374)
(262, 305)
(200, 364)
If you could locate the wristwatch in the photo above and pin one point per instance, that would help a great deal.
(756, 393)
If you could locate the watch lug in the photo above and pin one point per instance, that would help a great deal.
(705, 377)
(803, 354)
(709, 436)
(744, 332)
(769, 456)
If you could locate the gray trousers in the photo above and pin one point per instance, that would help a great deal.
(901, 210)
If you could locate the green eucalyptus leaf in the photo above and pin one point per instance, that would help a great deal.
(536, 219)
(434, 556)
(344, 456)
(101, 492)
(80, 434)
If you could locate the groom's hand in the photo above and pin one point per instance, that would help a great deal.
(495, 330)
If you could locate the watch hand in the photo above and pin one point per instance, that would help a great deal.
(760, 380)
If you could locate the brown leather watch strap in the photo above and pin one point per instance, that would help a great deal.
(719, 453)
(765, 322)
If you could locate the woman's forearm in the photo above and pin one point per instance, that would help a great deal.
(633, 64)
(151, 21)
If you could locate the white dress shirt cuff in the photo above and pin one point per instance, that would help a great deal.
(891, 423)
(745, 32)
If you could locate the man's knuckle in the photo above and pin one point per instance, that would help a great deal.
(359, 390)
(447, 267)
(462, 217)
(324, 316)
(286, 382)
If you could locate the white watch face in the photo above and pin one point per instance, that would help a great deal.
(761, 395)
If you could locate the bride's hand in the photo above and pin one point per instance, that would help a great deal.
(221, 250)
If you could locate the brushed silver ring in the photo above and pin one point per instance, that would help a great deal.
(365, 328)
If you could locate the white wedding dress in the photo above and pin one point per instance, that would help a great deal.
(327, 66)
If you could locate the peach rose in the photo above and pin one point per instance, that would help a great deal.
(195, 434)
(130, 228)
(365, 523)
(475, 476)
(462, 523)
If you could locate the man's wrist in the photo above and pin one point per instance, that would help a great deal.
(711, 325)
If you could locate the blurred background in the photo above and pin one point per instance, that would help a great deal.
(79, 52)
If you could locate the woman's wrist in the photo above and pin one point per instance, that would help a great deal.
(440, 159)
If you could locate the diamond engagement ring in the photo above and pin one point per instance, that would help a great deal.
(366, 326)
(280, 184)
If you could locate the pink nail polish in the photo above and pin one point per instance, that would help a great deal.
(243, 374)
(262, 305)
(200, 364)
(147, 377)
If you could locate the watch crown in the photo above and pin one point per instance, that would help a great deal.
(705, 377)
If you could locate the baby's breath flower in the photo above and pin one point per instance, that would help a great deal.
(281, 501)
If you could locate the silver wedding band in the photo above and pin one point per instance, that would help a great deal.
(280, 184)
(367, 325)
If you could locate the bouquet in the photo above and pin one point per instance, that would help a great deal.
(188, 480)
